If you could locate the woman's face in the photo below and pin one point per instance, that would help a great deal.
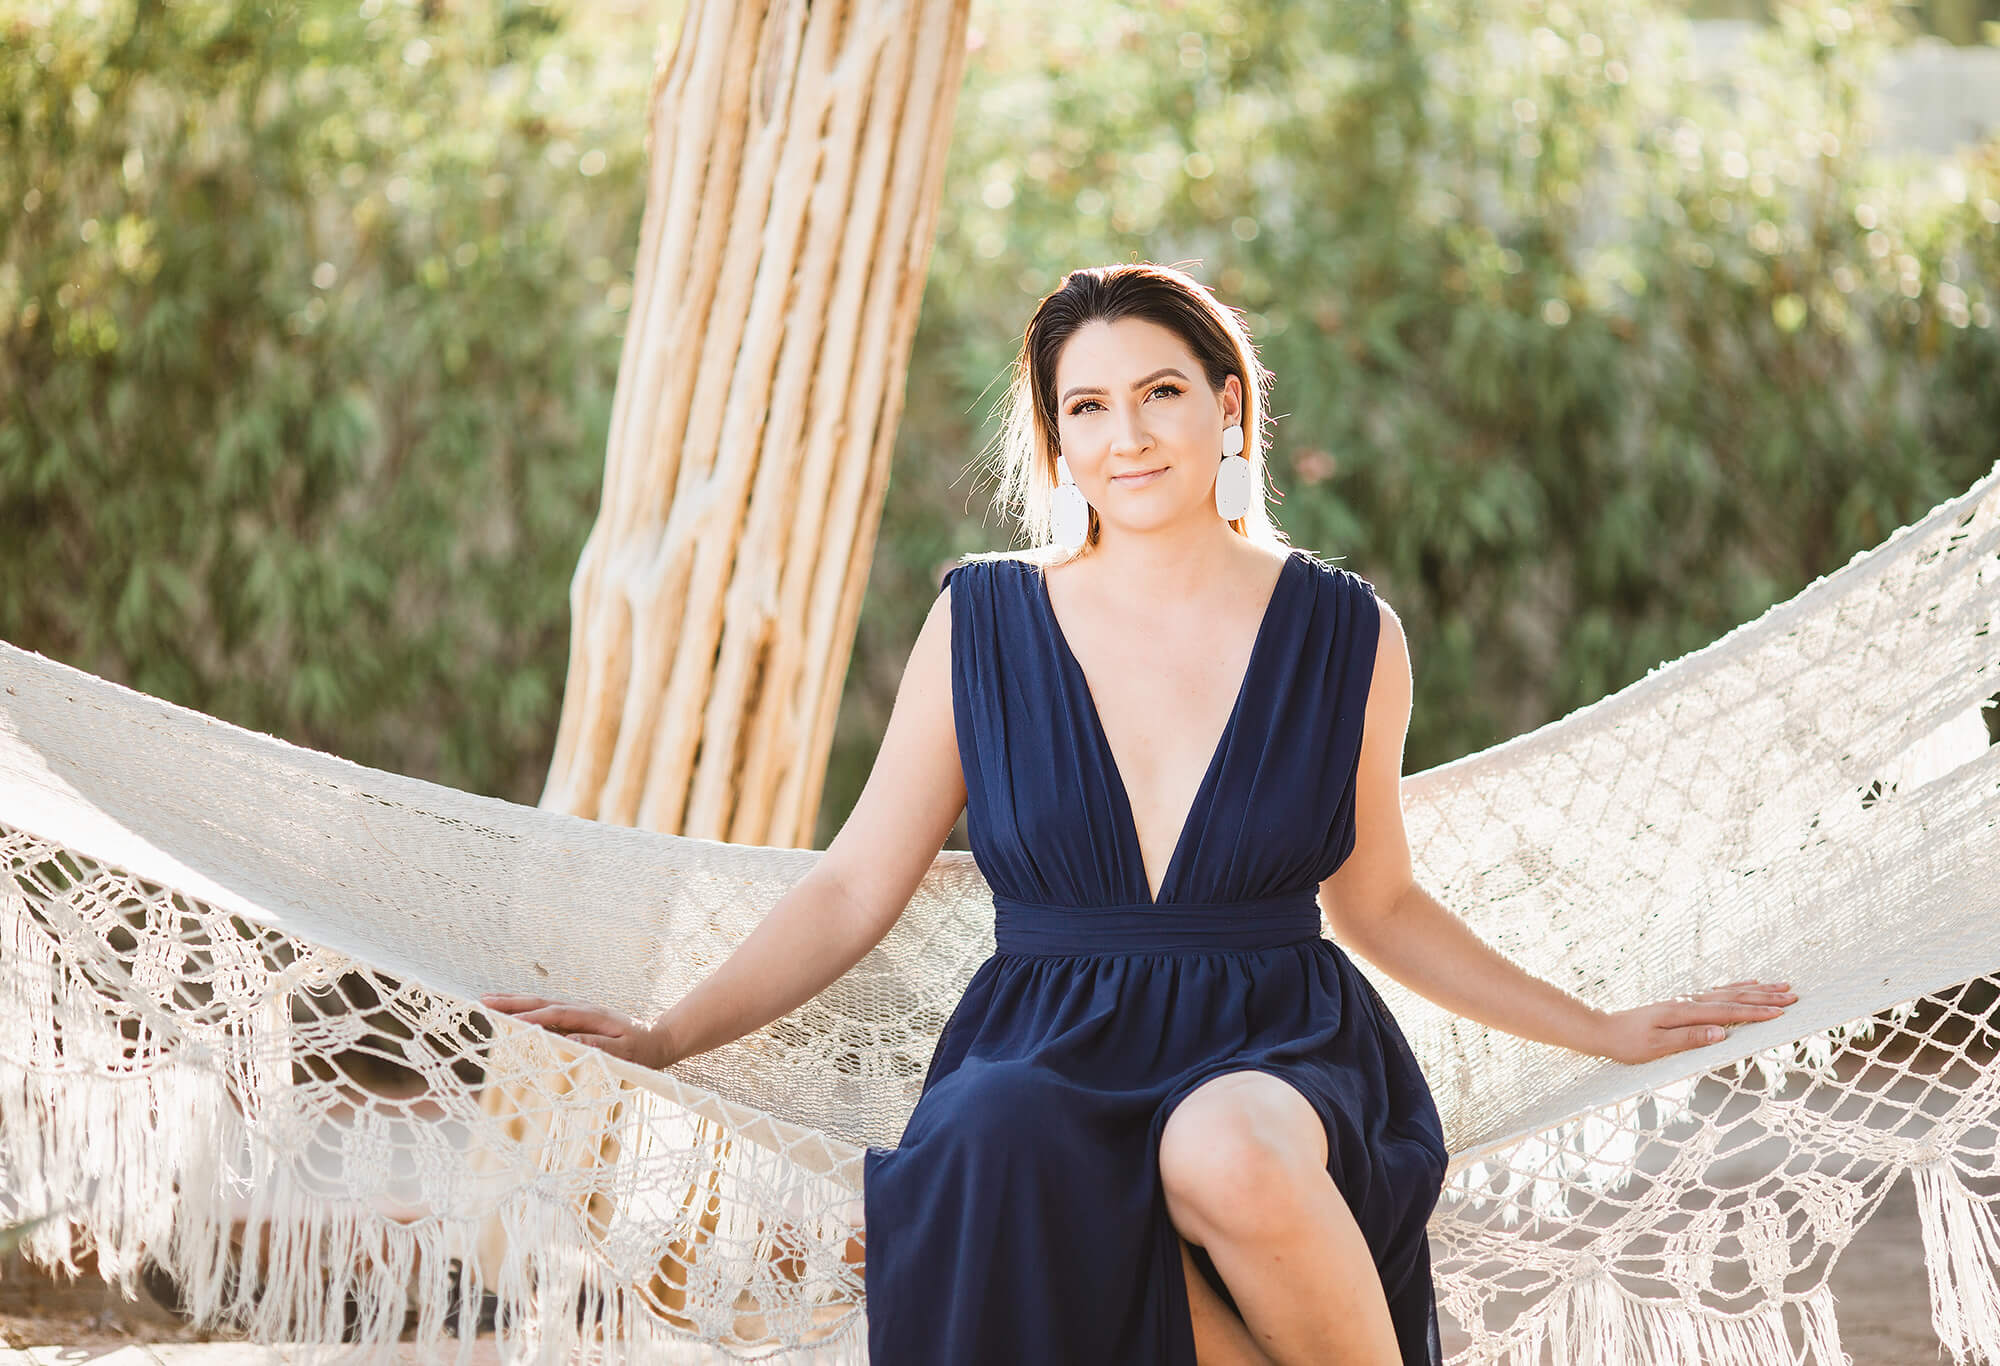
(1140, 427)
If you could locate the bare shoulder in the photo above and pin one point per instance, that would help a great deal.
(1339, 575)
(927, 672)
(1035, 555)
(1391, 687)
(1043, 557)
(1392, 646)
(915, 790)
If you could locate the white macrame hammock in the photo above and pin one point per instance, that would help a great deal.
(211, 942)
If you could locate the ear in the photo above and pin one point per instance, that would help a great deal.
(1232, 401)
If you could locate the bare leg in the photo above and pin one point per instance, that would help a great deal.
(1243, 1160)
(1220, 1338)
(854, 1252)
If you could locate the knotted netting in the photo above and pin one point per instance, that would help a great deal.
(239, 1035)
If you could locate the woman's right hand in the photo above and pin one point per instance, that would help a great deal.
(612, 1031)
(1692, 1021)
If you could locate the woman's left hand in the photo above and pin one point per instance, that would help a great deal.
(1700, 1018)
(617, 1034)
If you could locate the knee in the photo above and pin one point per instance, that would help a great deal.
(1228, 1175)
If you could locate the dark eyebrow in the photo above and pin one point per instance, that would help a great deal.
(1136, 384)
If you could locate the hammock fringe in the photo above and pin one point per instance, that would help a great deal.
(154, 1145)
(1594, 1319)
(1962, 1252)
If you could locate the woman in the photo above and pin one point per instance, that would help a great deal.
(1169, 1121)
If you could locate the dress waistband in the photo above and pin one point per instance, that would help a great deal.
(1024, 927)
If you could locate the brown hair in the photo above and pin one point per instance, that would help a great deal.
(1175, 300)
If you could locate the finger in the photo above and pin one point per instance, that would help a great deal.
(1734, 1013)
(1749, 1010)
(511, 1004)
(1779, 988)
(1673, 1017)
(569, 1019)
(1753, 984)
(1695, 1036)
(1755, 995)
(562, 1019)
(1679, 1014)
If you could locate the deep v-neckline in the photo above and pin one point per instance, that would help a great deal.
(1121, 794)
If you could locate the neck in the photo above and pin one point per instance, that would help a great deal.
(1169, 564)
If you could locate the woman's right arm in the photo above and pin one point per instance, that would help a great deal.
(839, 910)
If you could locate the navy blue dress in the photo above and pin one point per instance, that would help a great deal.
(1021, 1218)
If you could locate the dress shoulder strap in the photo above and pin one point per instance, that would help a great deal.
(993, 669)
(981, 577)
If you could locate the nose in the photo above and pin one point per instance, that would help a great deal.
(1128, 432)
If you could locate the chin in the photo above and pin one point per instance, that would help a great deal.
(1152, 518)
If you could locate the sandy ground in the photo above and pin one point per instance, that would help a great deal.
(48, 1320)
(1880, 1283)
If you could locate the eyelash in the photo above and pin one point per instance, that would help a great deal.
(1168, 385)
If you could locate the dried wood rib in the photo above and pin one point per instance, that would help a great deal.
(798, 158)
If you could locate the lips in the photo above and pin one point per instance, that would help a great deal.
(1137, 476)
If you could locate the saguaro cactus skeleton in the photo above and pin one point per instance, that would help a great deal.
(797, 156)
(798, 153)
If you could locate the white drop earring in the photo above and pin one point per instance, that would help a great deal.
(1069, 512)
(1232, 480)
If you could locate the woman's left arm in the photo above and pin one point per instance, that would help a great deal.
(1375, 906)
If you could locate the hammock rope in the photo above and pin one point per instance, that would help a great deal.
(239, 1034)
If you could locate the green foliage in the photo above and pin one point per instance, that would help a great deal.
(309, 316)
(1580, 360)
